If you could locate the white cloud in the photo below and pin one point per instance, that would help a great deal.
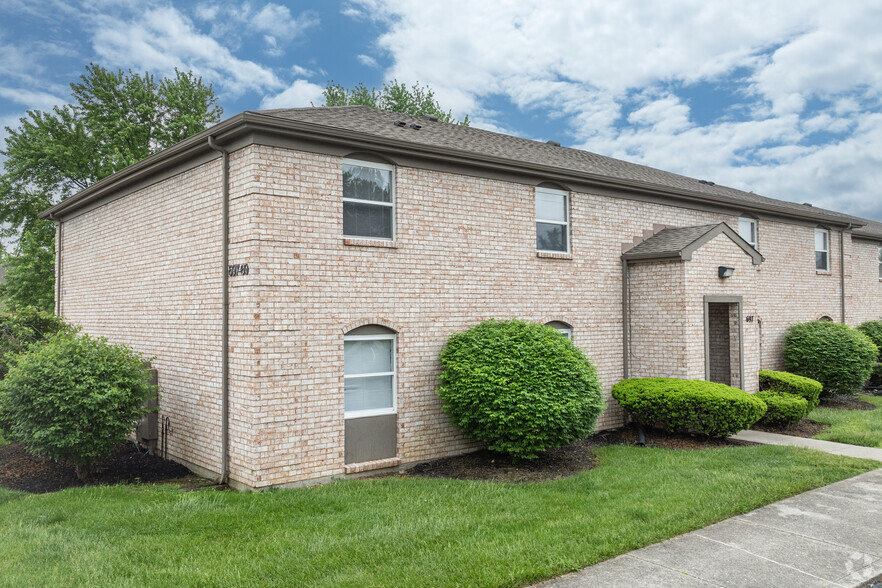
(162, 39)
(367, 60)
(300, 93)
(276, 20)
(32, 100)
(302, 72)
(623, 75)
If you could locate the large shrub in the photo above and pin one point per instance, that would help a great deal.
(873, 330)
(834, 354)
(689, 406)
(518, 387)
(787, 383)
(783, 409)
(74, 398)
(24, 327)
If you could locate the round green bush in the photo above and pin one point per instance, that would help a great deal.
(689, 406)
(787, 383)
(873, 330)
(520, 388)
(784, 409)
(74, 398)
(834, 354)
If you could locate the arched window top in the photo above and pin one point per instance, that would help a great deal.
(553, 186)
(825, 319)
(371, 330)
(561, 327)
(369, 157)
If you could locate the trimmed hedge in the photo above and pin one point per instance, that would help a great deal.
(784, 409)
(787, 383)
(74, 398)
(834, 354)
(689, 406)
(520, 388)
(873, 330)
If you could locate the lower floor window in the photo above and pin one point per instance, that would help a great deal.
(368, 375)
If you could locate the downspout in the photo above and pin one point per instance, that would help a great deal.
(225, 315)
(626, 322)
(59, 234)
(842, 269)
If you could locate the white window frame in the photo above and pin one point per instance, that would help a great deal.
(553, 192)
(755, 225)
(383, 166)
(827, 251)
(353, 414)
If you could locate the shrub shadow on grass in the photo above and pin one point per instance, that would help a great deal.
(566, 461)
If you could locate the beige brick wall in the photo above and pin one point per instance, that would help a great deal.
(144, 270)
(864, 288)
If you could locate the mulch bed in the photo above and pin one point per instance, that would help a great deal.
(847, 402)
(804, 428)
(19, 470)
(557, 463)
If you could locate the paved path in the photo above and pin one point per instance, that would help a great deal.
(831, 536)
(828, 446)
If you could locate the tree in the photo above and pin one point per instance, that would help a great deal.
(394, 96)
(116, 119)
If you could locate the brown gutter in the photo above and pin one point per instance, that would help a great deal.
(225, 314)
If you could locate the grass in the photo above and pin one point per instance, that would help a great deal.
(394, 531)
(855, 427)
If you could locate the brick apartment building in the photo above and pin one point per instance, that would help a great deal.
(296, 273)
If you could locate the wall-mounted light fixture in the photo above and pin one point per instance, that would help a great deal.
(725, 272)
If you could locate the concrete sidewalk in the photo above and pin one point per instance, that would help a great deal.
(826, 446)
(831, 536)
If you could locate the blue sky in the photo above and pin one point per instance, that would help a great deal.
(782, 98)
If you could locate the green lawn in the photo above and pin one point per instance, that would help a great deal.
(394, 531)
(856, 427)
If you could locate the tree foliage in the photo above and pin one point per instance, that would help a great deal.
(115, 119)
(397, 97)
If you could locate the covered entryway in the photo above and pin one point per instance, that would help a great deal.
(723, 345)
(689, 306)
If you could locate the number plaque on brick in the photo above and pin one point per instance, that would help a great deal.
(239, 269)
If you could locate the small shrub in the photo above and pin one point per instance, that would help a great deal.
(24, 327)
(518, 387)
(873, 330)
(787, 383)
(74, 398)
(784, 409)
(834, 354)
(689, 406)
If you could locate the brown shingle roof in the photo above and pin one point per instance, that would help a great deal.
(380, 123)
(682, 242)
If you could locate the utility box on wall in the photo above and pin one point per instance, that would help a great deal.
(147, 430)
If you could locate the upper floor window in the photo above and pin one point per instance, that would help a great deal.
(747, 230)
(822, 249)
(369, 372)
(552, 220)
(368, 200)
(880, 263)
